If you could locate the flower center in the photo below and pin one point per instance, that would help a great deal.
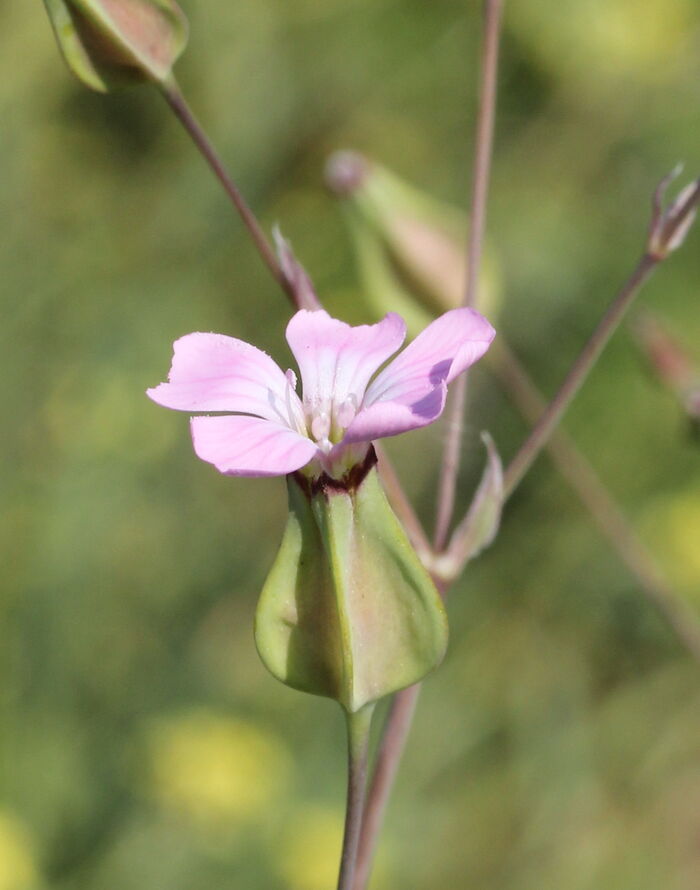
(328, 420)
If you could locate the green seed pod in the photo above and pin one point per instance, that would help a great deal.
(348, 611)
(410, 247)
(112, 43)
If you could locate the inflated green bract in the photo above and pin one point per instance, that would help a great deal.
(348, 611)
(111, 43)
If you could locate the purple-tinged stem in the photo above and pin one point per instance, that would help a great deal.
(396, 730)
(177, 102)
(398, 725)
(493, 14)
(584, 480)
(580, 370)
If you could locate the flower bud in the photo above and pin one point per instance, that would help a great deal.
(111, 43)
(348, 611)
(305, 297)
(670, 225)
(670, 362)
(411, 248)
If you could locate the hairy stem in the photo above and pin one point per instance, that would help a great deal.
(358, 727)
(580, 370)
(592, 492)
(481, 174)
(177, 102)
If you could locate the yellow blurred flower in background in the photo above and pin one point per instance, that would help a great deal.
(673, 527)
(18, 869)
(612, 38)
(311, 849)
(214, 769)
(310, 852)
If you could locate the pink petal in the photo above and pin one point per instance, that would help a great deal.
(391, 418)
(212, 372)
(410, 391)
(249, 446)
(337, 360)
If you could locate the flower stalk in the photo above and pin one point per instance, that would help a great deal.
(449, 472)
(393, 742)
(174, 97)
(583, 479)
(358, 730)
(581, 368)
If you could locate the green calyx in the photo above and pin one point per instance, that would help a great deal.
(112, 43)
(348, 611)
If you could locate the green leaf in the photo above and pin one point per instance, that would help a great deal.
(110, 43)
(348, 611)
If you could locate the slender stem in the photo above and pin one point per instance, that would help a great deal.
(403, 708)
(397, 728)
(486, 121)
(580, 370)
(358, 726)
(481, 174)
(584, 480)
(177, 102)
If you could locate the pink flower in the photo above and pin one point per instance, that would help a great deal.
(268, 430)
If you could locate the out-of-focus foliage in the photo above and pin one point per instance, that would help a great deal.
(558, 744)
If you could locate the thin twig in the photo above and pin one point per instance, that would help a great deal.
(449, 471)
(584, 480)
(177, 102)
(580, 369)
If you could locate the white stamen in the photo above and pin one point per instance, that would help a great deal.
(321, 426)
(347, 411)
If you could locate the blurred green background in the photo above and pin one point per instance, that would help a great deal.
(143, 744)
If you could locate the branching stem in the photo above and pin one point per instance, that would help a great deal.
(583, 479)
(579, 372)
